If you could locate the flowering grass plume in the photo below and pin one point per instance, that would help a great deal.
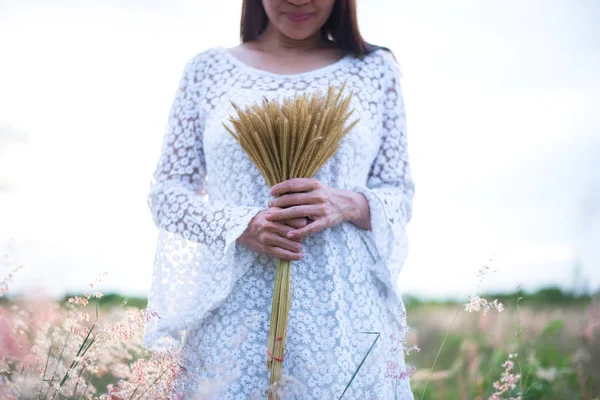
(477, 303)
(507, 382)
(73, 350)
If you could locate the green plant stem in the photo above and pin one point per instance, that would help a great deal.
(440, 350)
(362, 362)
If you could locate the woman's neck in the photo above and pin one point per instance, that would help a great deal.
(275, 42)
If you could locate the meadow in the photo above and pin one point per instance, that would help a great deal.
(542, 345)
(554, 338)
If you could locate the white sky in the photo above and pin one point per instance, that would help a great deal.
(503, 131)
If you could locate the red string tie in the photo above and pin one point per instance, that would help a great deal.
(272, 356)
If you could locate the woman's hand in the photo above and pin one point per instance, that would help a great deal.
(328, 207)
(269, 237)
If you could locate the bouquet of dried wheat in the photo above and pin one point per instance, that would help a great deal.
(285, 141)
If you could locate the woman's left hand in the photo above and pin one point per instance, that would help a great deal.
(308, 197)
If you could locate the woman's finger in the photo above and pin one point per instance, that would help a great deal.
(295, 185)
(295, 212)
(294, 199)
(278, 227)
(297, 223)
(293, 222)
(285, 254)
(273, 239)
(316, 226)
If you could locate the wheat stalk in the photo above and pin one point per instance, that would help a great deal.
(292, 139)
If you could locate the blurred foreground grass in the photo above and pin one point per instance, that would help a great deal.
(553, 335)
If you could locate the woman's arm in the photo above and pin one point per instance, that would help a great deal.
(390, 188)
(195, 267)
(177, 197)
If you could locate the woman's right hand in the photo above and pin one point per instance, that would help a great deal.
(269, 237)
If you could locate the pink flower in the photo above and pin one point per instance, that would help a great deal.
(508, 381)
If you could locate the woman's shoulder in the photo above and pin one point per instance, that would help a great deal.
(201, 64)
(203, 57)
(384, 57)
(384, 67)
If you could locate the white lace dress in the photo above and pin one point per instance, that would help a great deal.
(212, 295)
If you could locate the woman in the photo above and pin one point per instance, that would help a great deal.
(344, 228)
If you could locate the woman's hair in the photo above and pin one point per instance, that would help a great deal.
(341, 26)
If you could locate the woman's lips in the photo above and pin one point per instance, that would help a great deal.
(298, 17)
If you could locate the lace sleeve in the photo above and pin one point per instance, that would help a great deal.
(390, 187)
(194, 268)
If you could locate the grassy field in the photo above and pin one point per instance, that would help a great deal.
(554, 338)
(543, 345)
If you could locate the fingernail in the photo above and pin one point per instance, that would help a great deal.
(270, 204)
(268, 215)
(290, 234)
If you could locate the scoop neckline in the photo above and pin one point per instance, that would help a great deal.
(242, 65)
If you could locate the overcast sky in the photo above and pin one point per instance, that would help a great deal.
(503, 131)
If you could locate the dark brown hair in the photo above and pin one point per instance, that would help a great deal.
(341, 26)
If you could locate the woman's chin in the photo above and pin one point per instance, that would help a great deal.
(297, 34)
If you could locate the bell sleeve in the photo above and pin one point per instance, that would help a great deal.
(194, 268)
(390, 188)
